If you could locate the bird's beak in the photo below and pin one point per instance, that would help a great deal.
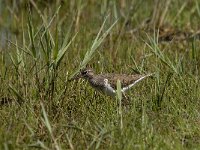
(76, 77)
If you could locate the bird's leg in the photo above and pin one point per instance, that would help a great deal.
(123, 95)
(125, 100)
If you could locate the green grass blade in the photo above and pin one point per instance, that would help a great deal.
(62, 52)
(119, 97)
(46, 120)
(90, 53)
(31, 33)
(17, 94)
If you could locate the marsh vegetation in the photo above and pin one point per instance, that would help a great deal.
(43, 43)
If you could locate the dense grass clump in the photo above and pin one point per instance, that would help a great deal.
(45, 43)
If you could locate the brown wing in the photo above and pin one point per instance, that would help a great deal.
(124, 79)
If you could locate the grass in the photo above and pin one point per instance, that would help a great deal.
(45, 43)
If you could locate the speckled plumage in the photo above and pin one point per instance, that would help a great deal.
(107, 83)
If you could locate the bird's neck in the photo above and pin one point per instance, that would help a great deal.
(90, 77)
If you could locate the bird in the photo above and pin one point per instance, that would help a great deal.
(107, 83)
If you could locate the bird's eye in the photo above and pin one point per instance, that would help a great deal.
(84, 72)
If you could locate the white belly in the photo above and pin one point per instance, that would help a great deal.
(109, 91)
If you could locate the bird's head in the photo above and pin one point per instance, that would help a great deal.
(86, 73)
